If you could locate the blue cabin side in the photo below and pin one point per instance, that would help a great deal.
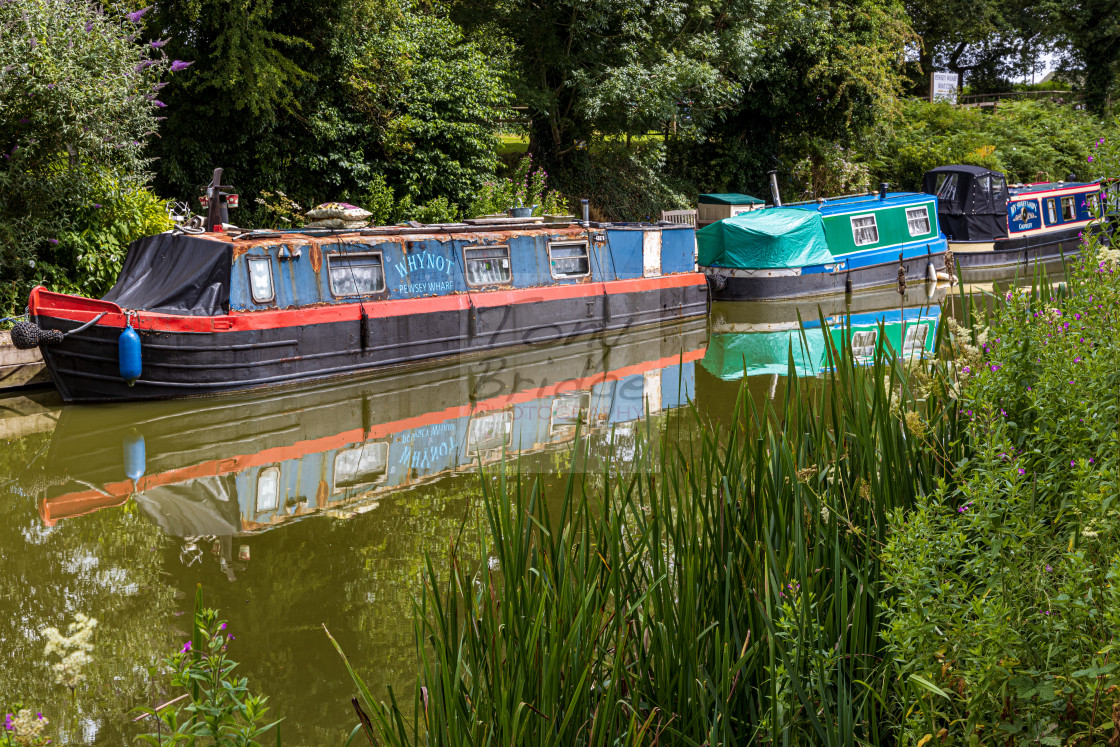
(273, 493)
(300, 270)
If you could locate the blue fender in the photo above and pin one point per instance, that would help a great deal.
(128, 354)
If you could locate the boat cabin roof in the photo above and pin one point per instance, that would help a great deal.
(1019, 190)
(861, 203)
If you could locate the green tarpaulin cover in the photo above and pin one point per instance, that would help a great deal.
(764, 353)
(774, 237)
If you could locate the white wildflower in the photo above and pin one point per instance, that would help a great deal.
(74, 650)
(28, 728)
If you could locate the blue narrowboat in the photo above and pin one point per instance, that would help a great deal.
(994, 226)
(830, 246)
(202, 314)
(193, 468)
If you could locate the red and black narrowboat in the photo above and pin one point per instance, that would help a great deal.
(208, 313)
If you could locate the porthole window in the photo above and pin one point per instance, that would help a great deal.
(487, 265)
(268, 489)
(569, 260)
(356, 274)
(917, 220)
(260, 279)
(864, 230)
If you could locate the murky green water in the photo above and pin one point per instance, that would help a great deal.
(316, 505)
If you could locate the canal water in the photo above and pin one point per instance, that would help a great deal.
(315, 506)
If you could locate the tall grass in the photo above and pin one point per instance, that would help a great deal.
(726, 591)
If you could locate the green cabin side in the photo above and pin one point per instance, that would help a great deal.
(892, 224)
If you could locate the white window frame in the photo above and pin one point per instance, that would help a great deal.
(855, 229)
(1052, 211)
(860, 335)
(341, 259)
(906, 334)
(467, 260)
(267, 262)
(380, 448)
(910, 226)
(586, 251)
(274, 472)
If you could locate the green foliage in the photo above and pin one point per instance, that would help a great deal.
(525, 187)
(721, 593)
(77, 101)
(220, 709)
(329, 101)
(626, 183)
(1027, 140)
(1005, 581)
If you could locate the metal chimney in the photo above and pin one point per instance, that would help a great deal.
(586, 204)
(774, 188)
(883, 190)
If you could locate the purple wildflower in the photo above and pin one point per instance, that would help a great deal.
(1022, 471)
(186, 648)
(159, 103)
(135, 16)
(1071, 462)
(158, 43)
(1048, 568)
(222, 626)
(53, 241)
(24, 120)
(89, 26)
(178, 65)
(96, 205)
(8, 723)
(1090, 159)
(966, 369)
(994, 366)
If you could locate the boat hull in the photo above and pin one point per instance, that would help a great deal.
(193, 356)
(729, 287)
(992, 260)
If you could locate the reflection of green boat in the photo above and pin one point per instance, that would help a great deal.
(739, 350)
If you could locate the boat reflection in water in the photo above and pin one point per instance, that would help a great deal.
(755, 341)
(224, 468)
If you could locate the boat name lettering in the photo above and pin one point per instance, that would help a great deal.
(425, 457)
(423, 260)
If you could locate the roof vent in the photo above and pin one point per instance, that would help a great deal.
(882, 190)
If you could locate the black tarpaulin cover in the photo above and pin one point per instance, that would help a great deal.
(971, 202)
(205, 506)
(176, 275)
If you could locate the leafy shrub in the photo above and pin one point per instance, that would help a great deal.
(220, 709)
(1006, 583)
(1027, 140)
(526, 186)
(625, 183)
(80, 99)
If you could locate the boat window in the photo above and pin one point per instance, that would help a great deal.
(863, 343)
(999, 189)
(268, 489)
(487, 265)
(864, 230)
(356, 274)
(569, 260)
(1093, 203)
(917, 220)
(984, 184)
(489, 432)
(260, 279)
(1069, 208)
(361, 465)
(1051, 211)
(915, 338)
(947, 187)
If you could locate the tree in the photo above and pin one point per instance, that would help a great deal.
(325, 100)
(1092, 30)
(78, 100)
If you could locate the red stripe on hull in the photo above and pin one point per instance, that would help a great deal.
(78, 309)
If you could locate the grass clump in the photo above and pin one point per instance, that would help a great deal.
(722, 592)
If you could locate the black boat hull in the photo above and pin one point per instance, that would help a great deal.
(732, 288)
(187, 362)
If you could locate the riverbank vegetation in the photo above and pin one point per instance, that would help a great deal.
(108, 110)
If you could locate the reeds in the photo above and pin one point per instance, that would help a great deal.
(725, 591)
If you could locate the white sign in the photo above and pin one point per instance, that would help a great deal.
(943, 86)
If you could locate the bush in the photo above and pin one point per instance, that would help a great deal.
(79, 99)
(526, 187)
(625, 183)
(1027, 140)
(1007, 583)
